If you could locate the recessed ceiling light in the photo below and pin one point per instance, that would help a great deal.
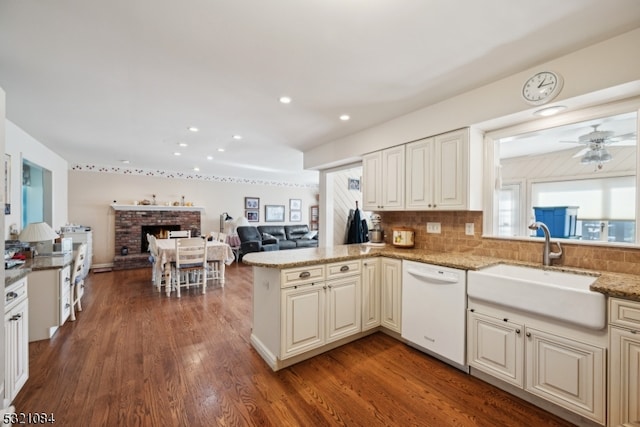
(182, 144)
(195, 168)
(193, 129)
(285, 100)
(344, 117)
(209, 157)
(177, 153)
(237, 137)
(550, 111)
(126, 162)
(221, 149)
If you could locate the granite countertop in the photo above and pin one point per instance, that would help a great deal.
(611, 284)
(43, 262)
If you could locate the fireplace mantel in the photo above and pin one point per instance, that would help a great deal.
(117, 207)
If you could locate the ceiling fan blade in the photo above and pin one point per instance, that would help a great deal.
(580, 153)
(571, 142)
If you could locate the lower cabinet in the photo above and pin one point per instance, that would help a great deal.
(16, 339)
(320, 312)
(391, 293)
(624, 364)
(371, 315)
(567, 372)
(49, 301)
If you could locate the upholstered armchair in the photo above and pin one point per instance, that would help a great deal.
(251, 240)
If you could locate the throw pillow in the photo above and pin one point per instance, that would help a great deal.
(310, 235)
(266, 236)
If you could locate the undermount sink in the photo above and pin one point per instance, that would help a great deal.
(560, 295)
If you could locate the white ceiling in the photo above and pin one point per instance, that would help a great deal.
(100, 82)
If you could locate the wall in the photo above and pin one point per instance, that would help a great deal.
(344, 200)
(2, 225)
(453, 239)
(92, 193)
(21, 145)
(586, 72)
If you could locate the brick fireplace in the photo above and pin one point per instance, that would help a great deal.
(129, 223)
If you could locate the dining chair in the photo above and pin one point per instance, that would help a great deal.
(77, 280)
(156, 272)
(222, 237)
(179, 234)
(213, 235)
(190, 264)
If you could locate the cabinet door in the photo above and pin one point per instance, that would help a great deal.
(567, 372)
(393, 178)
(624, 382)
(303, 322)
(495, 346)
(64, 294)
(451, 170)
(343, 307)
(391, 293)
(16, 349)
(372, 181)
(370, 293)
(419, 175)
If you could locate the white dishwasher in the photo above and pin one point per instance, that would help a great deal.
(434, 301)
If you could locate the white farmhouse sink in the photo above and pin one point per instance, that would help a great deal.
(559, 295)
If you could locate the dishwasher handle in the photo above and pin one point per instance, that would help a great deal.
(435, 277)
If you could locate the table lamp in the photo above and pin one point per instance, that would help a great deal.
(38, 232)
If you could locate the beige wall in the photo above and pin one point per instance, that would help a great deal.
(91, 195)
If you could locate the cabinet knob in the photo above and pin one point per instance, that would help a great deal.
(505, 319)
(518, 331)
(344, 268)
(528, 334)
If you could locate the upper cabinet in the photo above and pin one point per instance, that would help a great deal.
(383, 180)
(443, 172)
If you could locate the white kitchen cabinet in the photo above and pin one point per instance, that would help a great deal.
(303, 319)
(391, 293)
(16, 338)
(49, 301)
(496, 347)
(383, 175)
(444, 172)
(546, 363)
(624, 364)
(371, 293)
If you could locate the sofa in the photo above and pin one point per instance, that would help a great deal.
(290, 236)
(275, 237)
(251, 240)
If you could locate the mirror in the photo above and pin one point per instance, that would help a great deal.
(579, 179)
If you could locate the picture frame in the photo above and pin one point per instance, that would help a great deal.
(295, 216)
(7, 184)
(252, 215)
(252, 203)
(295, 204)
(274, 213)
(354, 184)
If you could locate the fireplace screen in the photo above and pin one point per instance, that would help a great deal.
(159, 231)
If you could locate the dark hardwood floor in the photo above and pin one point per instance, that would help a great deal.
(137, 358)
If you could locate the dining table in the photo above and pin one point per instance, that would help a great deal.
(216, 252)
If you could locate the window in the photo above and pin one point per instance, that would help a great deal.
(589, 164)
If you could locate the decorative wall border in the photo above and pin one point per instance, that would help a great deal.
(181, 175)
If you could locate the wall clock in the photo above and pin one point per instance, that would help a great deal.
(542, 87)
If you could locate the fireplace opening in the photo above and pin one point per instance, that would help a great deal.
(159, 231)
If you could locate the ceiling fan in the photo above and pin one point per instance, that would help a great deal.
(596, 143)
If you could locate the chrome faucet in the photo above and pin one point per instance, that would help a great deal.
(547, 255)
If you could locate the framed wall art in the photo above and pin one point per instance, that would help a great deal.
(252, 203)
(253, 216)
(295, 204)
(295, 216)
(274, 213)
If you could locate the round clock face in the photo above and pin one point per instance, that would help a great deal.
(542, 87)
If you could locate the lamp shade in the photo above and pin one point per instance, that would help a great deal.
(37, 232)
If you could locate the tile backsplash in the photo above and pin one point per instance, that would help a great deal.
(453, 239)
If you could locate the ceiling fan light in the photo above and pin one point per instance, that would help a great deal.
(605, 156)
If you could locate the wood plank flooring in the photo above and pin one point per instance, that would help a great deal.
(137, 358)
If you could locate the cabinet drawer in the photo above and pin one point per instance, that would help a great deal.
(624, 313)
(15, 293)
(339, 269)
(298, 276)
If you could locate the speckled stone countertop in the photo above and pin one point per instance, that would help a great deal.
(43, 262)
(11, 276)
(611, 284)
